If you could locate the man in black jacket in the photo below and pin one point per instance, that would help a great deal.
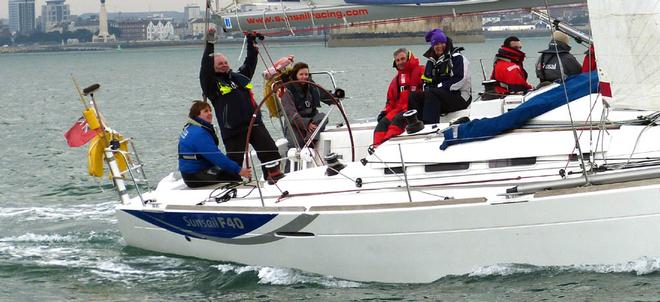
(548, 65)
(231, 94)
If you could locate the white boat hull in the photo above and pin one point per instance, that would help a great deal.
(426, 241)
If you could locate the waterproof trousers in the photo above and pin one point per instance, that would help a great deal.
(209, 177)
(388, 127)
(432, 103)
(260, 140)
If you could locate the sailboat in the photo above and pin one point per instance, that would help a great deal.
(572, 179)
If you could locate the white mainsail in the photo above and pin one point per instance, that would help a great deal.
(626, 36)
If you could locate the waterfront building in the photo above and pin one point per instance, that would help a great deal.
(91, 25)
(197, 26)
(133, 30)
(54, 13)
(190, 12)
(161, 30)
(21, 16)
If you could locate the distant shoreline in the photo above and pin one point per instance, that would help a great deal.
(377, 39)
(121, 45)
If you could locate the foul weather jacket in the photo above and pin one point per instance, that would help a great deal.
(448, 72)
(407, 80)
(230, 93)
(300, 105)
(547, 66)
(404, 82)
(198, 149)
(589, 61)
(508, 71)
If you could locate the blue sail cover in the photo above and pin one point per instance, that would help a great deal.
(577, 86)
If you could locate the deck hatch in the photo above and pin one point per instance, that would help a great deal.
(447, 167)
(512, 162)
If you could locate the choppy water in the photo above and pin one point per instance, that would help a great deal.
(58, 236)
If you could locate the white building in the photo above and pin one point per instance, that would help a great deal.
(54, 13)
(160, 31)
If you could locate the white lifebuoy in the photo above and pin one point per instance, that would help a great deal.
(279, 65)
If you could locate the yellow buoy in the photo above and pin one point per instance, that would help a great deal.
(92, 120)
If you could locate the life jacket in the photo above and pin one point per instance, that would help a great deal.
(440, 69)
(306, 100)
(407, 80)
(233, 89)
(508, 71)
(440, 66)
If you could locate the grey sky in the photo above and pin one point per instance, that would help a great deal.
(88, 6)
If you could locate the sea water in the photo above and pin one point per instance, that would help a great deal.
(59, 239)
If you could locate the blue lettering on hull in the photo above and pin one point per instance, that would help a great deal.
(205, 225)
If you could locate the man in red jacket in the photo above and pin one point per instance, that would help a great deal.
(508, 68)
(408, 79)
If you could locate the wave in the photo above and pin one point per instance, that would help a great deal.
(90, 237)
(285, 276)
(101, 211)
(76, 189)
(641, 266)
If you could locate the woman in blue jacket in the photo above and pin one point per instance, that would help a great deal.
(201, 163)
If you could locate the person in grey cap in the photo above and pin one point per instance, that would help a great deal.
(547, 66)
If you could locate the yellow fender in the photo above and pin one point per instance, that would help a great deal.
(271, 101)
(96, 153)
(95, 156)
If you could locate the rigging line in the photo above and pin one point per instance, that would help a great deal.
(652, 123)
(240, 54)
(590, 125)
(468, 173)
(286, 18)
(261, 195)
(399, 177)
(602, 132)
(267, 53)
(238, 21)
(206, 17)
(417, 186)
(568, 106)
(601, 129)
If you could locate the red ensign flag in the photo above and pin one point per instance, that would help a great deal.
(79, 134)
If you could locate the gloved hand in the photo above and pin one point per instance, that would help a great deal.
(210, 36)
(339, 93)
(253, 35)
(381, 115)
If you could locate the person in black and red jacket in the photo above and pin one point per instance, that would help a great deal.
(408, 79)
(232, 97)
(508, 70)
